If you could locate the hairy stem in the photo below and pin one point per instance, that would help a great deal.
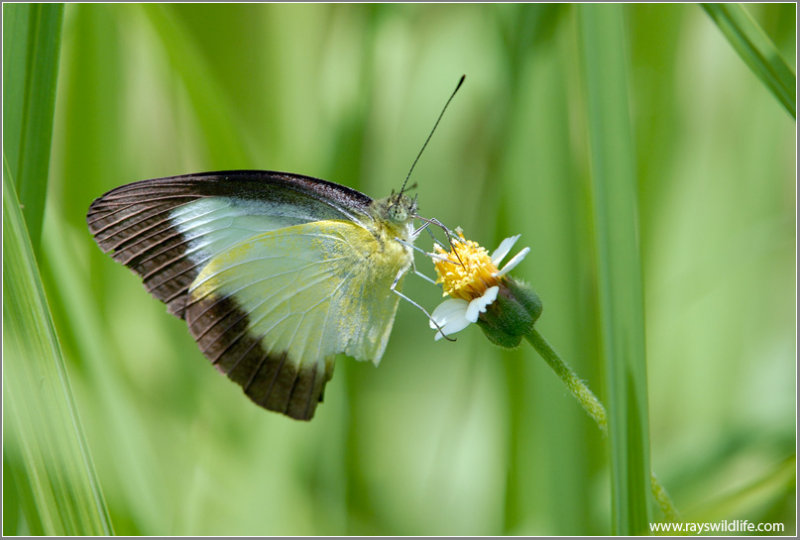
(596, 410)
(577, 387)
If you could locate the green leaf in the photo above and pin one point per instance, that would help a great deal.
(31, 45)
(44, 447)
(604, 63)
(757, 50)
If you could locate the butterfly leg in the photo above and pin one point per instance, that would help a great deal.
(409, 300)
(414, 264)
(450, 234)
(420, 274)
(412, 246)
(432, 221)
(434, 239)
(423, 276)
(423, 227)
(426, 227)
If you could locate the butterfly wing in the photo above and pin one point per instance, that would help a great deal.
(273, 311)
(274, 273)
(165, 229)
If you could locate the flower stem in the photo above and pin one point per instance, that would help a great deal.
(663, 499)
(595, 409)
(585, 397)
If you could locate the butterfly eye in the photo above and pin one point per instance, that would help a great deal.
(397, 213)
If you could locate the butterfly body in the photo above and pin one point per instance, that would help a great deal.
(274, 273)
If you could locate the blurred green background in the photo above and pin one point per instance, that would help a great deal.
(443, 438)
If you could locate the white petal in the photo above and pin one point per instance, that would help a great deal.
(447, 310)
(449, 315)
(513, 262)
(453, 326)
(503, 249)
(479, 305)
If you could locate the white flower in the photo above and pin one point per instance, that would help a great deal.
(455, 314)
(471, 278)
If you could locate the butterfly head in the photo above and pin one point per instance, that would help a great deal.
(397, 208)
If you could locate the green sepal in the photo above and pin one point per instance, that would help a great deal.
(512, 315)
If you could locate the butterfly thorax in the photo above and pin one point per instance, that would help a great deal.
(392, 221)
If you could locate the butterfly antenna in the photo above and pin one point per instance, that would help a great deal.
(460, 82)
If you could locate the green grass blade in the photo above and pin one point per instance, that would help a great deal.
(15, 41)
(757, 51)
(774, 487)
(31, 45)
(43, 442)
(205, 93)
(604, 67)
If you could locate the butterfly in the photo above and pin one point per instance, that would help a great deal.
(274, 273)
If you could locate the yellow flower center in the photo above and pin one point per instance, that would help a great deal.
(466, 271)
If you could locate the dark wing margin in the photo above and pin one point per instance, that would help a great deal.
(269, 378)
(132, 223)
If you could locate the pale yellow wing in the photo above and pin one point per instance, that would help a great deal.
(274, 310)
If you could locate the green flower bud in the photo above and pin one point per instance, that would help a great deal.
(512, 315)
